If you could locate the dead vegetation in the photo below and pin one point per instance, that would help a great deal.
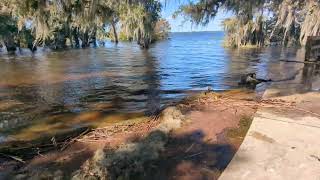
(133, 147)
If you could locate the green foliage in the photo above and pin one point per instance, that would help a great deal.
(124, 37)
(139, 21)
(54, 21)
(249, 34)
(242, 129)
(291, 21)
(26, 38)
(8, 26)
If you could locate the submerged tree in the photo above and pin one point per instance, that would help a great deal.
(162, 29)
(58, 23)
(8, 31)
(139, 21)
(250, 33)
(259, 21)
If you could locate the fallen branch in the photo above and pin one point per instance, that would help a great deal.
(13, 157)
(189, 148)
(66, 144)
(193, 155)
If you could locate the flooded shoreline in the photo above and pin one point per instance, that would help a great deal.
(213, 129)
(53, 92)
(64, 90)
(224, 109)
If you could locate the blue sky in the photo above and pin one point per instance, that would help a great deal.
(179, 25)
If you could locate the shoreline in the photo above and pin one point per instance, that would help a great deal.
(282, 140)
(185, 136)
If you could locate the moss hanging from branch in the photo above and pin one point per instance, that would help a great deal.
(311, 24)
(250, 34)
(54, 22)
(291, 20)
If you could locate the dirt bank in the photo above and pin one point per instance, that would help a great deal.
(194, 139)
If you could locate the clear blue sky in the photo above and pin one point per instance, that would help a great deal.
(179, 25)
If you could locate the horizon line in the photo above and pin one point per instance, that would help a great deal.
(195, 31)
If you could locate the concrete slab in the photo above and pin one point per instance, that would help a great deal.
(282, 143)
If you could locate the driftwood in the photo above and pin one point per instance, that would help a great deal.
(250, 80)
(19, 150)
(13, 157)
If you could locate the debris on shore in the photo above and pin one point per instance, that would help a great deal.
(196, 137)
(131, 160)
(139, 159)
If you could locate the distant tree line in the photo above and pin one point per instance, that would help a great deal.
(260, 22)
(77, 23)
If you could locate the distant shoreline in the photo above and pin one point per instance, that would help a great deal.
(198, 32)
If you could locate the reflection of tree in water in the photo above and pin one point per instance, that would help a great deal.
(134, 87)
(26, 102)
(266, 64)
(243, 61)
(310, 73)
(152, 80)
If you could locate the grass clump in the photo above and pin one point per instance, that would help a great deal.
(242, 129)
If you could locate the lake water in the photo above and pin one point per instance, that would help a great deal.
(49, 92)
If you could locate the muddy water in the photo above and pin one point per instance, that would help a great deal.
(49, 92)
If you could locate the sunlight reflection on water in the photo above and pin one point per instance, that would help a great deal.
(51, 91)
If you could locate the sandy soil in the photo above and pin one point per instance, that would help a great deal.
(201, 149)
(205, 145)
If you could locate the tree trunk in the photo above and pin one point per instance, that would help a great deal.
(85, 40)
(60, 41)
(116, 40)
(10, 44)
(144, 43)
(32, 47)
(70, 39)
(93, 38)
(75, 35)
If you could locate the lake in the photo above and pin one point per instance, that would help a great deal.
(48, 92)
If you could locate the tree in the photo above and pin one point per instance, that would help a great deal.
(139, 21)
(8, 31)
(53, 23)
(294, 20)
(161, 30)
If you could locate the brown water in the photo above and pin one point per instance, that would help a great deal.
(49, 92)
